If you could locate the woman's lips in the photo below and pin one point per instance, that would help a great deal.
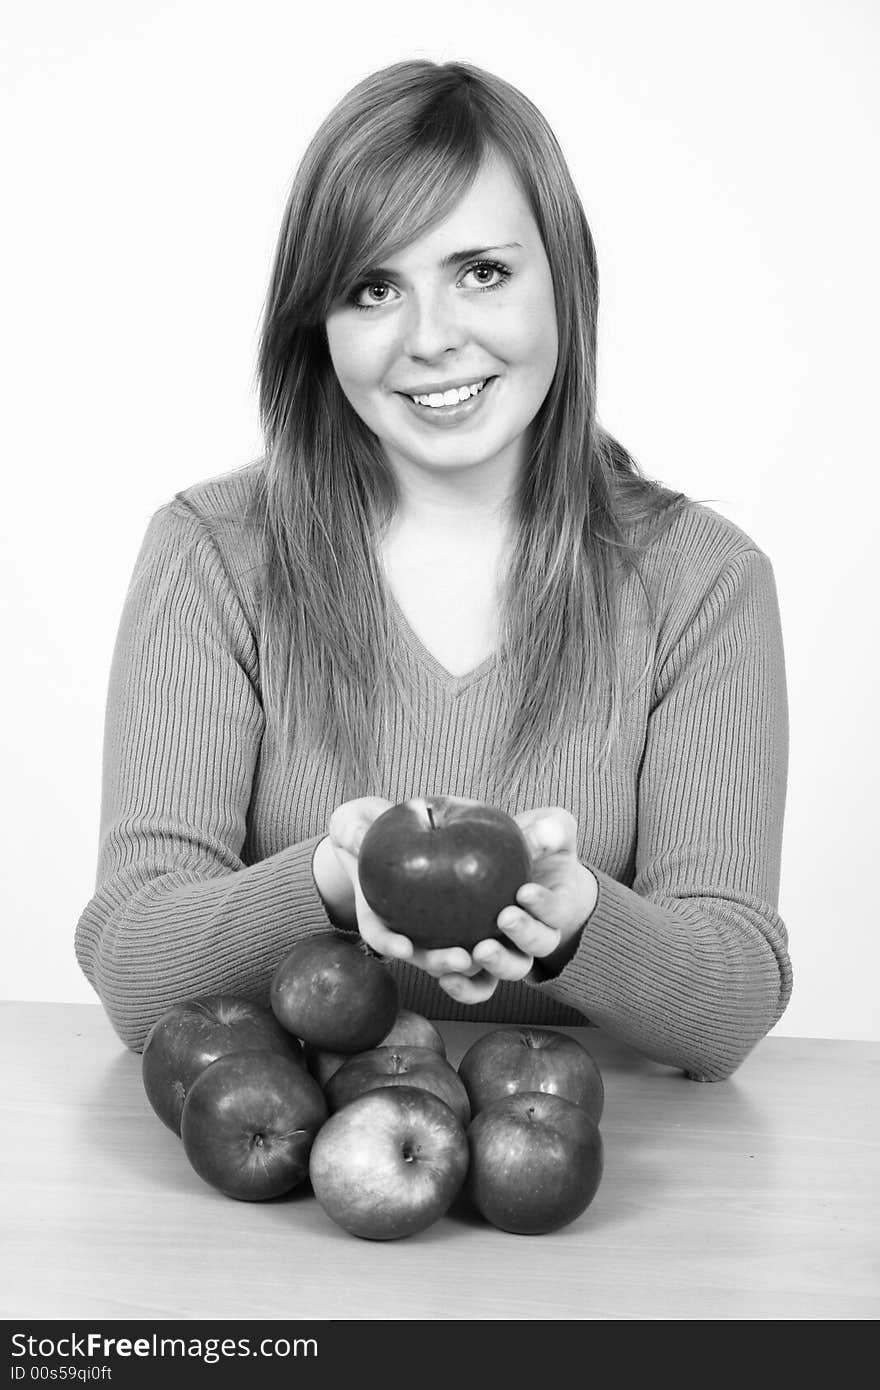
(444, 416)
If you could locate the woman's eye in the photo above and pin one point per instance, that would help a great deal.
(371, 296)
(486, 275)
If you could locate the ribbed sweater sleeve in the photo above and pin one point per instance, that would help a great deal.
(176, 912)
(690, 965)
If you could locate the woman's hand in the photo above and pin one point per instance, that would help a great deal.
(545, 923)
(549, 912)
(334, 865)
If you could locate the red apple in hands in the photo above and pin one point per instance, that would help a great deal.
(399, 1066)
(535, 1162)
(192, 1034)
(508, 1060)
(249, 1122)
(390, 1163)
(333, 993)
(439, 871)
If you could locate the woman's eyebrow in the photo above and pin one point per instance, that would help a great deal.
(454, 258)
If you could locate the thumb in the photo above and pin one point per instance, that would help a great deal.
(350, 822)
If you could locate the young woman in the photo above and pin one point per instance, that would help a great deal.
(444, 576)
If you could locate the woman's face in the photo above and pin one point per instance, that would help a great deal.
(465, 316)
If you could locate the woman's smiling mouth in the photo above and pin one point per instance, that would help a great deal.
(449, 405)
(452, 396)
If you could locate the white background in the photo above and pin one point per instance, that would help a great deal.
(726, 155)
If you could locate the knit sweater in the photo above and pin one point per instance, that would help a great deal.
(204, 878)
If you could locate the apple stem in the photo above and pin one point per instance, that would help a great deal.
(431, 818)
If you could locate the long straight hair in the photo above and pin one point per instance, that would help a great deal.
(391, 160)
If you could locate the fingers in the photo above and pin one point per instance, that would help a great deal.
(502, 960)
(548, 830)
(532, 937)
(474, 990)
(350, 822)
(454, 960)
(374, 931)
(538, 906)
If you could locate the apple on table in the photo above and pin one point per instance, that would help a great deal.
(249, 1122)
(410, 1029)
(535, 1163)
(390, 1163)
(525, 1058)
(191, 1034)
(333, 993)
(399, 1066)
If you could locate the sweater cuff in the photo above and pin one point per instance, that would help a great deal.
(596, 974)
(307, 907)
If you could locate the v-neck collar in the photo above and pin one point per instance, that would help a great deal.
(454, 685)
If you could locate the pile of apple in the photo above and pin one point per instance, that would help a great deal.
(334, 1082)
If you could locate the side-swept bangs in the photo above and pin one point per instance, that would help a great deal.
(388, 164)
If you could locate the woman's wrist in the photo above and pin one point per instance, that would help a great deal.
(334, 885)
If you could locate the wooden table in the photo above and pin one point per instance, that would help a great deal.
(755, 1198)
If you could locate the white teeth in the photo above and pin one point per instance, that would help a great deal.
(451, 397)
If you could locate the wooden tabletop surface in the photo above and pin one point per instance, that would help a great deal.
(754, 1198)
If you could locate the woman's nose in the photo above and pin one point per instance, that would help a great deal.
(432, 326)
